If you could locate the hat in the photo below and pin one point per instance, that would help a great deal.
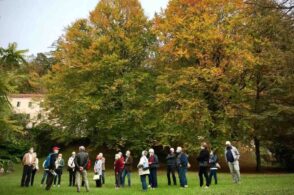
(55, 148)
(228, 143)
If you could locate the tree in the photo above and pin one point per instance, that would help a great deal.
(10, 128)
(269, 92)
(99, 87)
(202, 61)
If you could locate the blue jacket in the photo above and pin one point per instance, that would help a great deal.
(182, 160)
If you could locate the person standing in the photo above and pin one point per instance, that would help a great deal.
(59, 168)
(44, 177)
(81, 162)
(50, 165)
(153, 164)
(143, 168)
(71, 169)
(182, 164)
(232, 156)
(213, 162)
(103, 167)
(118, 168)
(203, 159)
(35, 168)
(171, 166)
(27, 161)
(98, 170)
(128, 168)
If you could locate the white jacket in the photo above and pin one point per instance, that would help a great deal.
(143, 161)
(98, 167)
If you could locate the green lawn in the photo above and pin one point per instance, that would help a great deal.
(251, 184)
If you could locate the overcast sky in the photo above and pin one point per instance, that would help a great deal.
(36, 24)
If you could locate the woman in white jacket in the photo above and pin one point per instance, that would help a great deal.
(98, 170)
(143, 170)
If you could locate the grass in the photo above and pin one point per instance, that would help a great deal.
(253, 184)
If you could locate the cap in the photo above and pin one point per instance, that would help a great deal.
(228, 143)
(55, 148)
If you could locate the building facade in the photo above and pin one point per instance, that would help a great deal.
(30, 105)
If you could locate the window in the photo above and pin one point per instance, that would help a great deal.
(30, 104)
(18, 104)
(28, 116)
(39, 116)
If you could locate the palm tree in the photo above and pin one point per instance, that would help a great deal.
(11, 58)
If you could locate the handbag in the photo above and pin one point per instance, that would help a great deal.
(96, 177)
(188, 165)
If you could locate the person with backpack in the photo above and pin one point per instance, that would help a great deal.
(59, 168)
(143, 168)
(35, 168)
(50, 165)
(203, 159)
(128, 168)
(81, 162)
(153, 164)
(213, 163)
(71, 169)
(182, 164)
(232, 156)
(27, 161)
(171, 166)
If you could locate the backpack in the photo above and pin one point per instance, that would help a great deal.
(89, 164)
(229, 155)
(47, 162)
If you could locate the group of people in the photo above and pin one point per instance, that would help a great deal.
(177, 162)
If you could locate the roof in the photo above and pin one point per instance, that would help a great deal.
(32, 95)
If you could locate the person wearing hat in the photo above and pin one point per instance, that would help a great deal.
(51, 174)
(71, 169)
(232, 156)
(28, 163)
(153, 164)
(171, 166)
(81, 162)
(182, 164)
(203, 160)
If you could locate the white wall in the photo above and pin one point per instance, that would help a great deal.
(34, 111)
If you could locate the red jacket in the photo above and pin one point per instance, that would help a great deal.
(119, 165)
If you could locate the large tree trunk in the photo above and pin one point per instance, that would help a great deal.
(257, 154)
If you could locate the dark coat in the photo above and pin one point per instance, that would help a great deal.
(81, 160)
(129, 163)
(171, 160)
(203, 158)
(52, 161)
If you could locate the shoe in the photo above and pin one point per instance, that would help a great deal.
(185, 186)
(206, 187)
